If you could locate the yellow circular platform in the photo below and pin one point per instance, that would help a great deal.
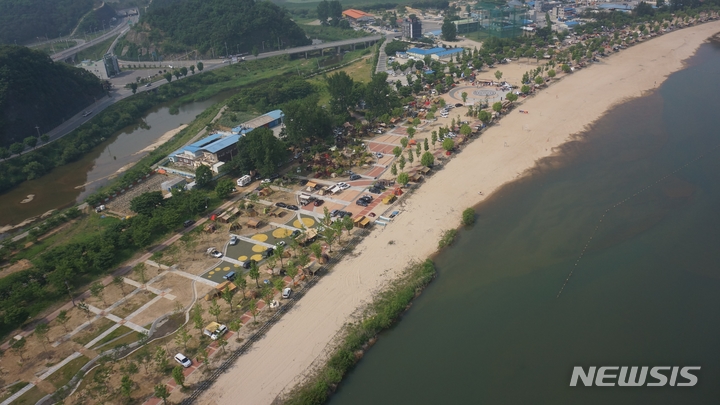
(281, 233)
(226, 268)
(217, 268)
(257, 258)
(308, 222)
(260, 237)
(236, 265)
(211, 272)
(258, 248)
(242, 258)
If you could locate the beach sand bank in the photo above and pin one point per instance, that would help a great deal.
(300, 339)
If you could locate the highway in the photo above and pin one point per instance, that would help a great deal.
(121, 28)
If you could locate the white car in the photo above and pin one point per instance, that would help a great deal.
(216, 254)
(281, 243)
(286, 292)
(233, 240)
(184, 361)
(266, 181)
(343, 186)
(219, 332)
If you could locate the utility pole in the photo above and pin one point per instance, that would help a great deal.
(38, 130)
(226, 51)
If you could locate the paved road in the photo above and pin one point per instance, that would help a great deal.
(72, 51)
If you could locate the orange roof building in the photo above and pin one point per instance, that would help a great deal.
(358, 16)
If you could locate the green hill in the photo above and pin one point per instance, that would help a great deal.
(22, 21)
(208, 26)
(34, 90)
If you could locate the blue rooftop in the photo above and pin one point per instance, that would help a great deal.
(449, 52)
(615, 7)
(275, 114)
(425, 51)
(221, 144)
(198, 145)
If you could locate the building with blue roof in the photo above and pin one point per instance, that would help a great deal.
(418, 53)
(618, 7)
(446, 54)
(208, 151)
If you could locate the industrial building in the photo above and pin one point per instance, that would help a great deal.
(446, 55)
(419, 53)
(209, 151)
(467, 25)
(412, 28)
(358, 16)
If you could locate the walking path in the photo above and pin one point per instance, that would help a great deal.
(43, 376)
(194, 277)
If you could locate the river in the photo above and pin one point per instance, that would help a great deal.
(63, 186)
(632, 212)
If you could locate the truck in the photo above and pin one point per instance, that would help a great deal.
(214, 330)
(244, 181)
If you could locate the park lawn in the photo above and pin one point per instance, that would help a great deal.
(31, 397)
(97, 51)
(62, 376)
(99, 326)
(12, 390)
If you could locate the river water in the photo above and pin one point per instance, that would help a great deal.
(644, 292)
(64, 185)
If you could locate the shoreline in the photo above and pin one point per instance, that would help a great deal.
(283, 358)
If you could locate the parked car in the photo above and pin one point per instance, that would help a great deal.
(379, 155)
(318, 203)
(281, 204)
(188, 222)
(343, 186)
(230, 276)
(374, 190)
(268, 252)
(459, 105)
(266, 181)
(293, 207)
(248, 263)
(219, 332)
(281, 243)
(295, 234)
(334, 213)
(148, 85)
(184, 361)
(216, 254)
(355, 177)
(233, 240)
(286, 292)
(362, 203)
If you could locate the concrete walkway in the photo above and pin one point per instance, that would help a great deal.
(194, 277)
(43, 376)
(253, 241)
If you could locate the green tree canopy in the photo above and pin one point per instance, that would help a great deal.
(449, 31)
(306, 123)
(340, 86)
(258, 150)
(146, 203)
(203, 176)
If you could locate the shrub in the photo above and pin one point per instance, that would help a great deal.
(468, 217)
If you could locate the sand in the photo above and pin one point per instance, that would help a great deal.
(160, 141)
(300, 339)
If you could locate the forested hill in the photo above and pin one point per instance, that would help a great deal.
(22, 21)
(34, 90)
(204, 24)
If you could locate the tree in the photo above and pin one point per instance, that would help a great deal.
(176, 73)
(551, 73)
(97, 289)
(512, 97)
(497, 106)
(119, 282)
(565, 68)
(464, 96)
(465, 130)
(183, 71)
(203, 176)
(539, 80)
(254, 272)
(18, 347)
(468, 217)
(340, 86)
(498, 74)
(192, 69)
(161, 392)
(224, 188)
(348, 224)
(404, 142)
(41, 331)
(214, 310)
(379, 98)
(200, 66)
(323, 12)
(161, 361)
(434, 138)
(525, 89)
(418, 150)
(449, 30)
(30, 141)
(62, 319)
(227, 295)
(242, 285)
(196, 315)
(16, 148)
(316, 249)
(401, 163)
(278, 252)
(393, 169)
(146, 203)
(259, 150)
(183, 337)
(410, 158)
(178, 376)
(484, 116)
(403, 179)
(253, 309)
(410, 132)
(139, 269)
(168, 75)
(126, 386)
(397, 151)
(222, 343)
(425, 145)
(133, 87)
(448, 144)
(427, 159)
(306, 122)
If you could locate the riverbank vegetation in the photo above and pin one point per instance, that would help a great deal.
(382, 313)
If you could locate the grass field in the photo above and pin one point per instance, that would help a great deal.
(30, 398)
(95, 52)
(331, 33)
(66, 372)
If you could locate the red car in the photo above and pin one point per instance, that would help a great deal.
(318, 203)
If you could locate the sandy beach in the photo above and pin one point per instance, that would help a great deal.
(299, 340)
